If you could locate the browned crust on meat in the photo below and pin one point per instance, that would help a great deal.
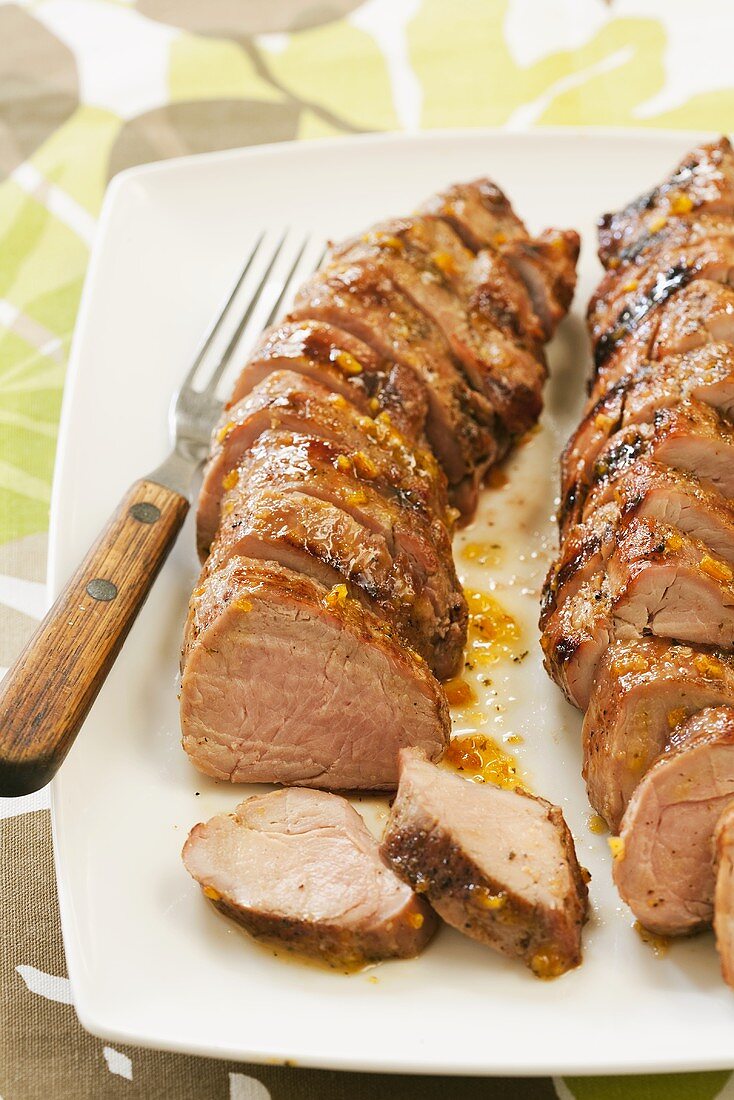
(439, 868)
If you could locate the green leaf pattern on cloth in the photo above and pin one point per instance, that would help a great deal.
(89, 87)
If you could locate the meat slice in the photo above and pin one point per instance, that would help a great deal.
(657, 581)
(479, 212)
(703, 182)
(315, 536)
(284, 681)
(423, 259)
(644, 689)
(705, 374)
(664, 868)
(699, 313)
(482, 216)
(703, 312)
(646, 491)
(299, 869)
(461, 424)
(343, 364)
(724, 892)
(547, 266)
(321, 469)
(619, 307)
(498, 865)
(690, 437)
(298, 404)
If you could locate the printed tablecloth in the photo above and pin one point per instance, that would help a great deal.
(89, 87)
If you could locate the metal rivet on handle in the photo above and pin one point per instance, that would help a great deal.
(145, 512)
(100, 589)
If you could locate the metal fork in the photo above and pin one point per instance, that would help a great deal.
(47, 694)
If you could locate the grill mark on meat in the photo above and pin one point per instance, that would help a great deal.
(516, 886)
(667, 284)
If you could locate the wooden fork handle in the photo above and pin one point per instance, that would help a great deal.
(47, 694)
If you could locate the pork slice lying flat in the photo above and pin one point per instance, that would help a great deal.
(703, 182)
(343, 364)
(724, 892)
(691, 437)
(498, 865)
(418, 255)
(643, 690)
(647, 491)
(285, 682)
(461, 422)
(317, 537)
(299, 869)
(657, 581)
(664, 868)
(291, 402)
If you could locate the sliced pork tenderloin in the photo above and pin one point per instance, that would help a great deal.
(314, 536)
(417, 256)
(664, 866)
(478, 211)
(547, 266)
(482, 216)
(300, 870)
(461, 424)
(656, 581)
(498, 865)
(618, 308)
(643, 690)
(286, 681)
(703, 182)
(691, 437)
(301, 405)
(320, 468)
(705, 375)
(646, 491)
(343, 364)
(724, 892)
(699, 313)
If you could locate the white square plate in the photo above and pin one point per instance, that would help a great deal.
(149, 959)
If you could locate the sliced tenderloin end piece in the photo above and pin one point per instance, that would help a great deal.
(498, 865)
(643, 690)
(299, 869)
(724, 892)
(664, 867)
(286, 682)
(547, 266)
(702, 182)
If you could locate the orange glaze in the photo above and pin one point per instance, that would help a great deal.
(459, 692)
(481, 759)
(493, 633)
(483, 553)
